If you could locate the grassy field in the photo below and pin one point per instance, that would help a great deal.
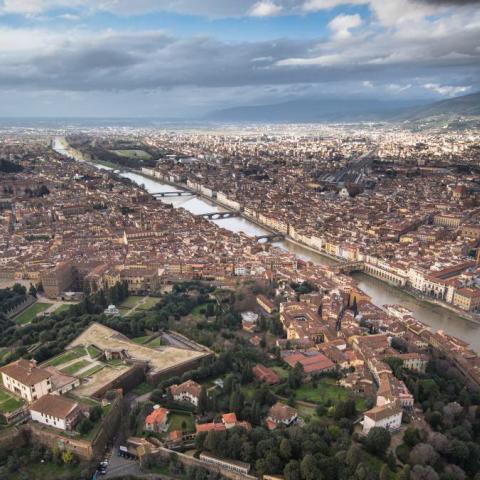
(31, 312)
(91, 371)
(326, 392)
(249, 391)
(141, 154)
(75, 367)
(66, 357)
(176, 420)
(141, 340)
(4, 352)
(196, 312)
(62, 308)
(131, 301)
(93, 351)
(149, 303)
(8, 402)
(304, 410)
(142, 389)
(281, 372)
(42, 471)
(156, 342)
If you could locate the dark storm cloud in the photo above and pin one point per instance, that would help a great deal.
(446, 51)
(450, 3)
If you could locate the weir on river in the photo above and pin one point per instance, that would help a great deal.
(381, 293)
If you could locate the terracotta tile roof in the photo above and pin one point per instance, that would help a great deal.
(25, 372)
(280, 412)
(54, 405)
(229, 418)
(206, 427)
(157, 416)
(191, 387)
(315, 362)
(384, 411)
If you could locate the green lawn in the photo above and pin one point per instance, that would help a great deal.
(149, 303)
(93, 351)
(142, 389)
(131, 301)
(305, 411)
(196, 311)
(115, 362)
(91, 371)
(141, 340)
(75, 367)
(281, 372)
(65, 357)
(326, 392)
(156, 342)
(249, 391)
(62, 308)
(4, 395)
(31, 312)
(8, 402)
(133, 153)
(4, 351)
(176, 419)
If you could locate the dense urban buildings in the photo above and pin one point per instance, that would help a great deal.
(159, 296)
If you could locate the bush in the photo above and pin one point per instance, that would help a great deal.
(402, 452)
(85, 426)
(96, 413)
(378, 441)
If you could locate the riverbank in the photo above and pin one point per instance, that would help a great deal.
(438, 317)
(419, 297)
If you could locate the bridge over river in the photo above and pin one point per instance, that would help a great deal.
(381, 293)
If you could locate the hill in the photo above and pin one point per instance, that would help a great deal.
(350, 110)
(312, 110)
(465, 106)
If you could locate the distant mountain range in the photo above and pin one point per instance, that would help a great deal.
(465, 106)
(337, 110)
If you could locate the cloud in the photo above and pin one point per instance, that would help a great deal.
(265, 9)
(316, 5)
(450, 3)
(342, 24)
(447, 90)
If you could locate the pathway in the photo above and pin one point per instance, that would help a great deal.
(141, 302)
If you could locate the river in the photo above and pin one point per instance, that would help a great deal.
(381, 293)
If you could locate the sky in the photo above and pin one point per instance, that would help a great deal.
(185, 58)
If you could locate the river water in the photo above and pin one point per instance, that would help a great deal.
(381, 293)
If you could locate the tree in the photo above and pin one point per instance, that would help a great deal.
(453, 472)
(285, 449)
(384, 473)
(85, 426)
(203, 401)
(295, 376)
(292, 470)
(378, 441)
(419, 472)
(412, 436)
(309, 468)
(354, 455)
(423, 454)
(354, 307)
(67, 457)
(405, 473)
(96, 413)
(345, 409)
(32, 290)
(236, 401)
